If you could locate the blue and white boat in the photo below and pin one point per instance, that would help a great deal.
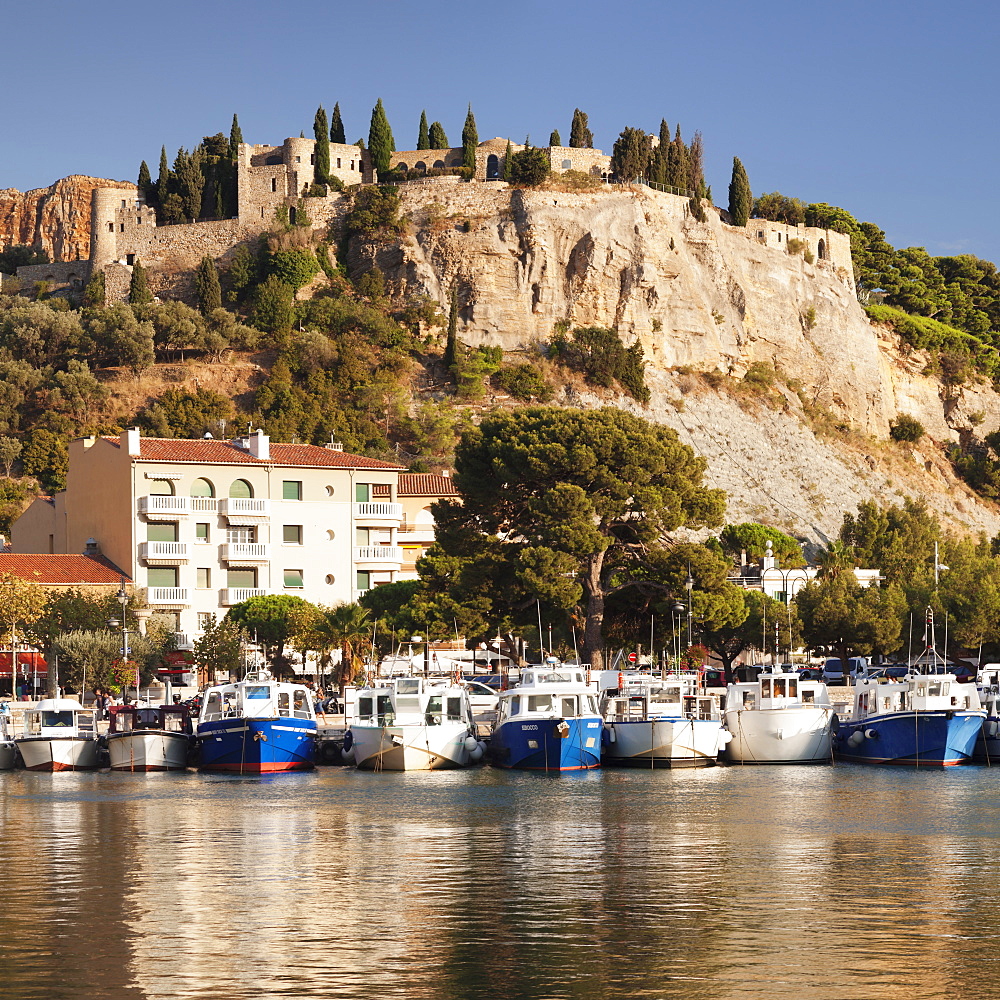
(549, 721)
(257, 725)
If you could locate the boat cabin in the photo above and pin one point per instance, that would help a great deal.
(776, 689)
(58, 718)
(918, 692)
(165, 718)
(676, 697)
(413, 701)
(257, 698)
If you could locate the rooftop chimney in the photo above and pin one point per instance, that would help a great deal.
(260, 445)
(91, 548)
(446, 473)
(130, 442)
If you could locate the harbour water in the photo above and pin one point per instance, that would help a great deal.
(732, 882)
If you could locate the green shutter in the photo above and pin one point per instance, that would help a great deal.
(291, 490)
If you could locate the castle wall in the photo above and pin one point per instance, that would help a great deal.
(64, 274)
(829, 248)
(588, 161)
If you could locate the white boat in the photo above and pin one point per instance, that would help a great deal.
(413, 724)
(58, 735)
(988, 744)
(8, 750)
(670, 722)
(149, 739)
(778, 719)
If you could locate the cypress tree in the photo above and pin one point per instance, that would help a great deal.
(138, 289)
(321, 157)
(470, 140)
(696, 176)
(740, 196)
(555, 139)
(145, 184)
(437, 137)
(451, 346)
(206, 283)
(337, 127)
(507, 162)
(235, 138)
(423, 136)
(580, 136)
(162, 185)
(380, 141)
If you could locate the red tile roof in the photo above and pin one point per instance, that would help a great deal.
(61, 569)
(207, 451)
(422, 484)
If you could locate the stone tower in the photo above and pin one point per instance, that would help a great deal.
(105, 208)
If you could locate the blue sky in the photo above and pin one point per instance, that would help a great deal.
(884, 108)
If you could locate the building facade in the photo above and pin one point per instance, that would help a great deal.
(202, 525)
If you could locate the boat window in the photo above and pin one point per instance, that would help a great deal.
(257, 692)
(808, 696)
(300, 703)
(408, 685)
(886, 704)
(455, 708)
(765, 689)
(592, 704)
(779, 688)
(793, 687)
(432, 716)
(283, 708)
(672, 694)
(61, 720)
(539, 703)
(515, 705)
(384, 705)
(214, 704)
(364, 708)
(568, 706)
(749, 699)
(704, 708)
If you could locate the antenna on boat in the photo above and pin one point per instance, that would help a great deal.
(541, 638)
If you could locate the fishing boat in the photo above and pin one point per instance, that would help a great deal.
(58, 735)
(987, 749)
(257, 725)
(8, 749)
(549, 721)
(412, 724)
(931, 720)
(779, 718)
(670, 722)
(149, 738)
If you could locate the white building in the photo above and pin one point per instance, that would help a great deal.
(201, 525)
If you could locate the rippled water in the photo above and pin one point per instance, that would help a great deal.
(806, 882)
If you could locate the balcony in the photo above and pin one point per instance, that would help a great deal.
(377, 512)
(161, 506)
(380, 556)
(182, 641)
(244, 553)
(164, 553)
(202, 504)
(245, 510)
(237, 595)
(174, 597)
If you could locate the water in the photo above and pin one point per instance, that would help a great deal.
(806, 882)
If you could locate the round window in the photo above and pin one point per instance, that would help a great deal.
(329, 578)
(329, 491)
(331, 534)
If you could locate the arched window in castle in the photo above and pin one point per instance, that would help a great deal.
(492, 167)
(420, 165)
(241, 490)
(274, 183)
(567, 164)
(291, 215)
(401, 166)
(439, 164)
(821, 250)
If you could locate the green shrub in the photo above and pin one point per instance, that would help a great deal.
(525, 382)
(760, 377)
(374, 214)
(601, 357)
(906, 428)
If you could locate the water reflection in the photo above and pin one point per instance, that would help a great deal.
(727, 883)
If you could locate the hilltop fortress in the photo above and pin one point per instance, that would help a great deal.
(273, 179)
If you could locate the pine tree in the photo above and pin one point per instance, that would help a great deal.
(507, 162)
(145, 185)
(451, 346)
(380, 141)
(138, 289)
(555, 139)
(438, 139)
(321, 157)
(580, 136)
(337, 133)
(740, 196)
(470, 140)
(206, 283)
(423, 136)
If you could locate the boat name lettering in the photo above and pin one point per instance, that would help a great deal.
(525, 729)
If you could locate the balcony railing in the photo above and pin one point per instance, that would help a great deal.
(161, 505)
(168, 595)
(379, 553)
(183, 641)
(244, 552)
(249, 508)
(163, 552)
(204, 503)
(237, 595)
(378, 511)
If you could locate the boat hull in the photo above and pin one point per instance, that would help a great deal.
(917, 739)
(663, 743)
(410, 748)
(69, 753)
(151, 750)
(798, 734)
(540, 746)
(257, 746)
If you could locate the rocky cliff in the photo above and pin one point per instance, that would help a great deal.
(56, 218)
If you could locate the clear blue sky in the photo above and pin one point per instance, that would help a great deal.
(887, 109)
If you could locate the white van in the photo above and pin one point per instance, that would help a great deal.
(833, 669)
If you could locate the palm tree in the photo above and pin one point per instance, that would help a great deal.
(347, 627)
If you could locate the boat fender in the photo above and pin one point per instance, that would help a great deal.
(835, 723)
(471, 743)
(871, 734)
(725, 736)
(477, 753)
(856, 738)
(991, 729)
(621, 680)
(348, 741)
(348, 755)
(612, 735)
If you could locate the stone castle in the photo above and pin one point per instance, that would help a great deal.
(123, 229)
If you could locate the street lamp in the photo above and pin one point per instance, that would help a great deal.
(784, 573)
(113, 623)
(689, 587)
(678, 609)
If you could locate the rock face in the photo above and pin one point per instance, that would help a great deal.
(55, 219)
(695, 294)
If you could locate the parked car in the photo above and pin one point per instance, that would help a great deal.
(482, 697)
(810, 673)
(833, 669)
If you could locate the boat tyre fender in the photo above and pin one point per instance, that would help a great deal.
(348, 741)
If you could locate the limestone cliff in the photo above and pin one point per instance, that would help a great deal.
(56, 218)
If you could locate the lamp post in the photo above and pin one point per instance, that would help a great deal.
(678, 609)
(113, 623)
(785, 574)
(689, 587)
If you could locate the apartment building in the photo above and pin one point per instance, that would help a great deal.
(202, 525)
(416, 493)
